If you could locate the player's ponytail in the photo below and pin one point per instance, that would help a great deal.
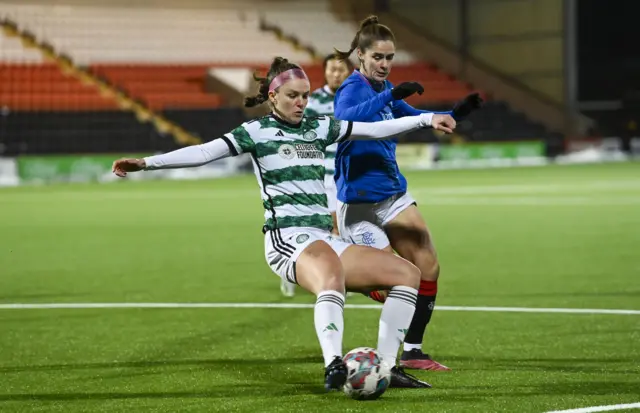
(279, 65)
(370, 31)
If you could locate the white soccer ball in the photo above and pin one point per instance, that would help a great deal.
(367, 377)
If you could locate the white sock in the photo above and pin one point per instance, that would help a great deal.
(409, 347)
(329, 321)
(395, 319)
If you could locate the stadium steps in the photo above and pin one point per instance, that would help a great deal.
(159, 48)
(328, 24)
(162, 87)
(320, 29)
(32, 79)
(289, 38)
(104, 89)
(317, 25)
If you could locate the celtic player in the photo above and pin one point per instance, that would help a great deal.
(288, 149)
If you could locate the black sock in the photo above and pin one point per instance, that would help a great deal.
(422, 316)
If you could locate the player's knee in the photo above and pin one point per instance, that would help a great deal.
(333, 282)
(430, 270)
(427, 261)
(320, 269)
(409, 275)
(332, 275)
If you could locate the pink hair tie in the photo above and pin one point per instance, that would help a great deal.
(286, 76)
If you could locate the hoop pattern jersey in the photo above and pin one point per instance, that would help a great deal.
(289, 163)
(321, 103)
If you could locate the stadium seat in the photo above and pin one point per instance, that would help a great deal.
(28, 83)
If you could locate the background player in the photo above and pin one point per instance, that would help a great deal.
(321, 103)
(374, 207)
(287, 150)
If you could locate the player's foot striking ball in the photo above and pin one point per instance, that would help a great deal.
(335, 375)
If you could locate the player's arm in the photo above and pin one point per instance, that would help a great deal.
(459, 111)
(402, 108)
(231, 144)
(191, 156)
(350, 105)
(391, 128)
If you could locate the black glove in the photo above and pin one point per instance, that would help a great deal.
(467, 105)
(406, 89)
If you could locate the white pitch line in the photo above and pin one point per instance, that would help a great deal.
(600, 408)
(40, 306)
(541, 310)
(530, 201)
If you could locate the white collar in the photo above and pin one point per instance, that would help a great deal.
(328, 90)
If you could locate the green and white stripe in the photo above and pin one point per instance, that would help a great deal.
(289, 163)
(321, 103)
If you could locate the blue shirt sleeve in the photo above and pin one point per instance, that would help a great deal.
(402, 108)
(349, 106)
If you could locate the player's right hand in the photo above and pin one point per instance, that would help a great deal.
(124, 165)
(443, 122)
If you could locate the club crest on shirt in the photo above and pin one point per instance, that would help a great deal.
(309, 135)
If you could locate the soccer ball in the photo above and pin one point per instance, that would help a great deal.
(367, 377)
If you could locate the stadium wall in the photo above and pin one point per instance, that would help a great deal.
(420, 26)
(49, 169)
(521, 38)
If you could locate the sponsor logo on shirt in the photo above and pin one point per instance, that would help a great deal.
(301, 150)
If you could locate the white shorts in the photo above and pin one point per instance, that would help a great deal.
(363, 224)
(331, 191)
(282, 247)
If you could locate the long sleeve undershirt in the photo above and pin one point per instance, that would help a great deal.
(198, 155)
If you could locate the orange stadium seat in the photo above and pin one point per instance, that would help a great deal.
(39, 87)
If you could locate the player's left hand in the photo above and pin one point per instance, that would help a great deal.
(124, 165)
(443, 122)
(467, 105)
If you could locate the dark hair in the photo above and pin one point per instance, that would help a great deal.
(279, 65)
(334, 56)
(370, 31)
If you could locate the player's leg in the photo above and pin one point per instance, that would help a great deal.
(319, 271)
(288, 289)
(410, 238)
(306, 259)
(367, 268)
(360, 225)
(334, 218)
